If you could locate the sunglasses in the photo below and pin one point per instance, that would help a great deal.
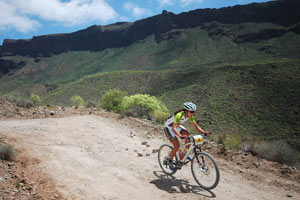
(192, 112)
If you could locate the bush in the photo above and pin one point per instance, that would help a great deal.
(77, 100)
(35, 99)
(233, 141)
(90, 104)
(278, 151)
(6, 152)
(19, 101)
(229, 141)
(10, 98)
(142, 105)
(112, 100)
(160, 116)
(25, 103)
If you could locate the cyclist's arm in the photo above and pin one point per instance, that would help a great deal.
(198, 128)
(176, 123)
(174, 128)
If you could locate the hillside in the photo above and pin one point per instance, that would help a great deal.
(98, 38)
(68, 154)
(239, 64)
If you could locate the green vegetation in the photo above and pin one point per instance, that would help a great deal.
(160, 116)
(112, 99)
(77, 100)
(245, 90)
(143, 105)
(19, 100)
(35, 99)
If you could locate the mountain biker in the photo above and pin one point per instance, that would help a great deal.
(173, 127)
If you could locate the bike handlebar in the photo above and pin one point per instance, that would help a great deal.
(188, 136)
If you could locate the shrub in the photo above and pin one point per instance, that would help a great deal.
(233, 141)
(10, 98)
(77, 100)
(112, 100)
(278, 151)
(160, 116)
(229, 141)
(19, 101)
(6, 152)
(138, 111)
(25, 103)
(90, 104)
(142, 105)
(220, 140)
(35, 99)
(248, 146)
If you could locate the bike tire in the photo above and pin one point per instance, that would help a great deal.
(163, 159)
(205, 170)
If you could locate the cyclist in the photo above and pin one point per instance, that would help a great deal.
(173, 127)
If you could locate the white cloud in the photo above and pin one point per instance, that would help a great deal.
(10, 18)
(188, 2)
(19, 14)
(136, 11)
(163, 3)
(73, 12)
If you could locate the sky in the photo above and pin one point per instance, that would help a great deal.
(23, 19)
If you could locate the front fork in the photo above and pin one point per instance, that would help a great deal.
(197, 151)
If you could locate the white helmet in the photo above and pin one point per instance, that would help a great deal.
(190, 106)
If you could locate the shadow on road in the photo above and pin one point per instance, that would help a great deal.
(172, 185)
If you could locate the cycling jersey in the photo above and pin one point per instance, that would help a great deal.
(179, 119)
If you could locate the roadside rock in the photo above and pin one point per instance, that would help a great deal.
(132, 134)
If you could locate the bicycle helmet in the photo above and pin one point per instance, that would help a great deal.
(190, 106)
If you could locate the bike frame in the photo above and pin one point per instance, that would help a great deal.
(198, 162)
(191, 148)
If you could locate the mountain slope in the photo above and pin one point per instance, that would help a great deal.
(242, 72)
(98, 38)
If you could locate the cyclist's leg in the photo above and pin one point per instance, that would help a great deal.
(185, 132)
(175, 143)
(173, 139)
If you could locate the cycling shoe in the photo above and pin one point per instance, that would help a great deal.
(171, 166)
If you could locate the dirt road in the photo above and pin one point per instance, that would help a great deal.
(93, 157)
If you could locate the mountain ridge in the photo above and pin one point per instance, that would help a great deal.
(122, 34)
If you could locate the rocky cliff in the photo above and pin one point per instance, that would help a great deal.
(6, 65)
(97, 38)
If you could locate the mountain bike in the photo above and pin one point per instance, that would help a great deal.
(203, 166)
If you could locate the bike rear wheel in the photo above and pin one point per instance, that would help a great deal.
(205, 170)
(163, 158)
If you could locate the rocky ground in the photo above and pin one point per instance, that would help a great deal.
(62, 154)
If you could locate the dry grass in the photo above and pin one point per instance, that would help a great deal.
(7, 152)
(278, 151)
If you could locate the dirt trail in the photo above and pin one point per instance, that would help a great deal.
(93, 157)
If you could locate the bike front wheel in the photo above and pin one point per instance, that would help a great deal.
(163, 158)
(205, 170)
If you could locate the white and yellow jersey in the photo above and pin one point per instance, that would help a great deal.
(179, 119)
